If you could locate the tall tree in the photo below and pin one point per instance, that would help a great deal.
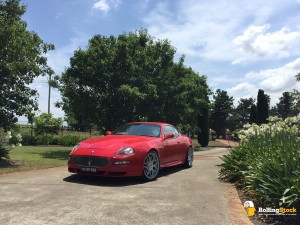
(203, 134)
(243, 110)
(22, 58)
(285, 105)
(296, 102)
(222, 105)
(273, 111)
(253, 114)
(131, 77)
(263, 101)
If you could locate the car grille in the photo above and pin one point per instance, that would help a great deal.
(90, 161)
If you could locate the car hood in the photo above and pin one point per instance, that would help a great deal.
(108, 145)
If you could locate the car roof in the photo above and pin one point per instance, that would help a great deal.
(156, 123)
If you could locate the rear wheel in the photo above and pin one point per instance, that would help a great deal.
(151, 166)
(189, 158)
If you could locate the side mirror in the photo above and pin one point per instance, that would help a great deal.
(108, 132)
(169, 135)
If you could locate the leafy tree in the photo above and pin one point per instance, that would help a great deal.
(296, 102)
(285, 105)
(128, 78)
(298, 77)
(273, 111)
(222, 105)
(203, 134)
(253, 114)
(240, 115)
(22, 58)
(244, 108)
(46, 124)
(263, 101)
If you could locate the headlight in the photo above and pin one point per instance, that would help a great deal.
(125, 151)
(74, 149)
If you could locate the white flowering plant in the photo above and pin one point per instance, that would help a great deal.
(267, 161)
(7, 142)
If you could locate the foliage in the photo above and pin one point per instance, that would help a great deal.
(222, 105)
(50, 139)
(46, 124)
(129, 77)
(212, 134)
(253, 114)
(15, 139)
(70, 140)
(203, 134)
(243, 110)
(47, 139)
(8, 140)
(263, 102)
(285, 105)
(4, 147)
(267, 162)
(28, 139)
(188, 129)
(22, 55)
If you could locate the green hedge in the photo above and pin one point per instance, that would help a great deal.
(49, 139)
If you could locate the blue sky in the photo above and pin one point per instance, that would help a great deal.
(241, 46)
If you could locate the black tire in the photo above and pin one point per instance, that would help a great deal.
(151, 166)
(188, 163)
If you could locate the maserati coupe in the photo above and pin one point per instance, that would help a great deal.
(134, 149)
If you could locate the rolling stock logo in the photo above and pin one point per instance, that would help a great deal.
(249, 207)
(250, 210)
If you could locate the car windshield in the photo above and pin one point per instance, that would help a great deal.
(151, 130)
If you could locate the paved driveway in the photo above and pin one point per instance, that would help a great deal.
(178, 196)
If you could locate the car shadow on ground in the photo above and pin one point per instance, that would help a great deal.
(117, 181)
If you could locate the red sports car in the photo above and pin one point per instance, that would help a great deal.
(134, 149)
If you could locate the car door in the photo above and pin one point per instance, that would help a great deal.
(171, 145)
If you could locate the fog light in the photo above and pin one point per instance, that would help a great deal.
(121, 162)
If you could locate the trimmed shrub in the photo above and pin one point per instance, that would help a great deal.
(47, 139)
(70, 140)
(27, 139)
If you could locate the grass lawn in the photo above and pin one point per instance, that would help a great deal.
(210, 145)
(37, 157)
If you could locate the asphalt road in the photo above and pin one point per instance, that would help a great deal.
(178, 196)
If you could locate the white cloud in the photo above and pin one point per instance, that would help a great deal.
(257, 43)
(273, 81)
(206, 31)
(243, 89)
(106, 5)
(102, 5)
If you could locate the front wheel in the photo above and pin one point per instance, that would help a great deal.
(151, 166)
(189, 158)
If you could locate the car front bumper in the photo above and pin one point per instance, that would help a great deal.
(127, 167)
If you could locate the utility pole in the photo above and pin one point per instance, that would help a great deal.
(49, 93)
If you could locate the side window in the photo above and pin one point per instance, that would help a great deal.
(170, 129)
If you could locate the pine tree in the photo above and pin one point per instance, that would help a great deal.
(285, 105)
(203, 134)
(222, 105)
(253, 114)
(262, 107)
